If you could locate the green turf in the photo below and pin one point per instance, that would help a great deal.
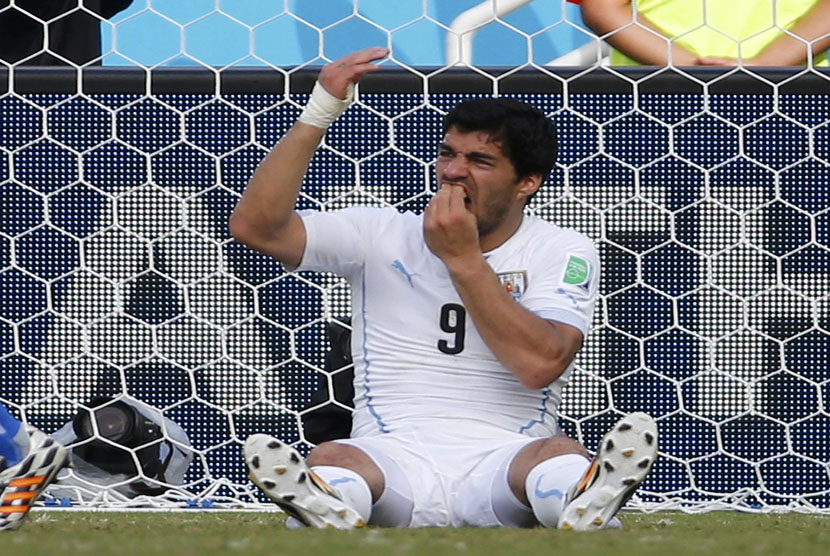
(203, 533)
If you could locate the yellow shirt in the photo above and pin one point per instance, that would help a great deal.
(723, 28)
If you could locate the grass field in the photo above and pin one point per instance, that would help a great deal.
(203, 533)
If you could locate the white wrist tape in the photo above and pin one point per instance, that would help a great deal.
(323, 107)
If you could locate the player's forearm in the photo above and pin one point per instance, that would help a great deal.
(264, 218)
(787, 50)
(270, 196)
(524, 343)
(614, 21)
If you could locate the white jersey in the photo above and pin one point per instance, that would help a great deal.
(417, 354)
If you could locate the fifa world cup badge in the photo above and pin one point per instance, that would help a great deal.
(578, 272)
(514, 283)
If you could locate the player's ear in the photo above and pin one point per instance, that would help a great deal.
(528, 185)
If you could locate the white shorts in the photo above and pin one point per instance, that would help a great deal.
(451, 467)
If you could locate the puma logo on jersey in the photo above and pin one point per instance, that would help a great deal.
(398, 265)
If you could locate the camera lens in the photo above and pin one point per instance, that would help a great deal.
(114, 422)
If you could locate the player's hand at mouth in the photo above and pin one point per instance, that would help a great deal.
(468, 202)
(450, 229)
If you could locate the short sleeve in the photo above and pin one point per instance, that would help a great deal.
(562, 286)
(338, 241)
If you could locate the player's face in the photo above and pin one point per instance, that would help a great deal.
(488, 177)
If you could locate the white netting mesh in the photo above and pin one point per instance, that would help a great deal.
(705, 191)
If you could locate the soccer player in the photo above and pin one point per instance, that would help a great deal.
(29, 461)
(466, 320)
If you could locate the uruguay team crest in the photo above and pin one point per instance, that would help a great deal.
(514, 283)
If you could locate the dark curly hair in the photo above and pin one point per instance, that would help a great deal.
(526, 136)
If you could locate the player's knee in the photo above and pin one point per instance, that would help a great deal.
(342, 455)
(332, 453)
(559, 446)
(541, 450)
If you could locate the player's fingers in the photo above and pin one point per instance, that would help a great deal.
(337, 75)
(455, 202)
(434, 199)
(361, 70)
(359, 63)
(440, 203)
(431, 213)
(366, 55)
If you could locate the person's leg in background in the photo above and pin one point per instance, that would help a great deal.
(29, 461)
(14, 442)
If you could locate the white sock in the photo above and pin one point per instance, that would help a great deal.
(352, 487)
(548, 483)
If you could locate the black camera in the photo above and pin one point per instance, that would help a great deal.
(123, 425)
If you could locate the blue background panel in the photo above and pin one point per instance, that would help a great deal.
(291, 37)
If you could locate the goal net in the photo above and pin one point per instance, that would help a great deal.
(706, 192)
